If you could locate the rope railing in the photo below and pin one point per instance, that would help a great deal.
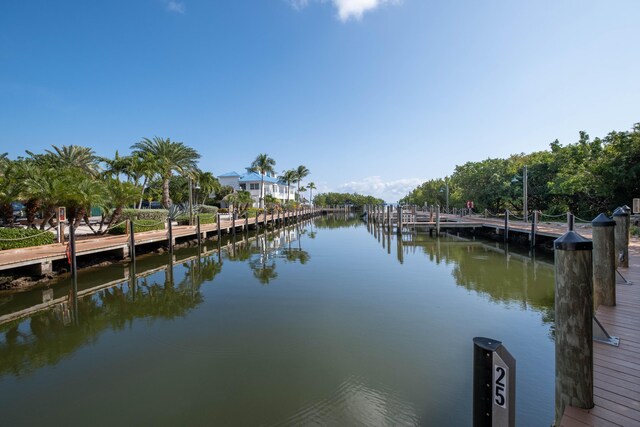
(553, 216)
(581, 220)
(115, 225)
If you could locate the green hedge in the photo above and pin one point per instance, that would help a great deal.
(206, 209)
(207, 218)
(252, 212)
(204, 219)
(140, 226)
(8, 234)
(149, 214)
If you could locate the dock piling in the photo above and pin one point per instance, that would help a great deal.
(574, 322)
(132, 241)
(622, 220)
(170, 231)
(604, 261)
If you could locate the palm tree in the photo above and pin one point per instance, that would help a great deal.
(263, 164)
(167, 156)
(288, 177)
(74, 156)
(208, 184)
(301, 173)
(116, 166)
(9, 191)
(141, 166)
(311, 186)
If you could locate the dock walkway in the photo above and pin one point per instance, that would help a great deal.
(41, 257)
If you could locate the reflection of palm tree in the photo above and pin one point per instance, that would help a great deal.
(265, 273)
(264, 268)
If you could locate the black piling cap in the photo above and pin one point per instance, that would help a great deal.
(572, 241)
(487, 343)
(620, 212)
(603, 221)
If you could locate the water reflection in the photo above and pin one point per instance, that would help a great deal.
(501, 274)
(41, 327)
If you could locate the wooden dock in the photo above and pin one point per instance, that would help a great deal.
(42, 257)
(616, 370)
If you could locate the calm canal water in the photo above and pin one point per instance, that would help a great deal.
(327, 323)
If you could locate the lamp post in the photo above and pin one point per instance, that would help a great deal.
(525, 196)
(446, 186)
(525, 193)
(446, 191)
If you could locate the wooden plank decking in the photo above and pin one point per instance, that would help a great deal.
(616, 369)
(15, 258)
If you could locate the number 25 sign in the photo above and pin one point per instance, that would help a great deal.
(500, 383)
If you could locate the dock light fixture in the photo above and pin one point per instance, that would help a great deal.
(525, 196)
(446, 191)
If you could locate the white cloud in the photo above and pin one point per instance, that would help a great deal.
(390, 191)
(176, 6)
(347, 9)
(355, 8)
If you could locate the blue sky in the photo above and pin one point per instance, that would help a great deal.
(372, 96)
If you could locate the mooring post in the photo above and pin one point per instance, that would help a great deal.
(621, 217)
(132, 241)
(437, 220)
(219, 228)
(534, 223)
(506, 226)
(233, 223)
(74, 268)
(257, 222)
(571, 221)
(246, 222)
(170, 235)
(574, 322)
(604, 261)
(399, 230)
(494, 384)
(198, 230)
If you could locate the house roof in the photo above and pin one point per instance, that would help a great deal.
(256, 177)
(229, 174)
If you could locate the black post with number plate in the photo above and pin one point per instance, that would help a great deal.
(494, 384)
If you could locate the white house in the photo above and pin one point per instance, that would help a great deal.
(251, 181)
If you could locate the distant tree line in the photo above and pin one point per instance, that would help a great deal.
(355, 199)
(586, 177)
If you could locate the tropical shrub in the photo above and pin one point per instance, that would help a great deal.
(251, 212)
(140, 226)
(206, 209)
(9, 236)
(206, 218)
(150, 214)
